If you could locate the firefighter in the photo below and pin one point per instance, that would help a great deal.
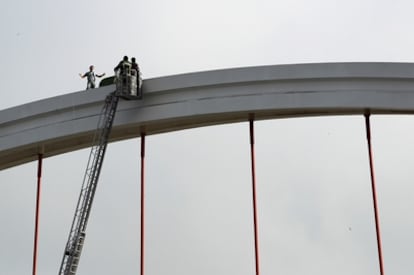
(120, 68)
(134, 66)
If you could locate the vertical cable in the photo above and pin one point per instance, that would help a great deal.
(374, 193)
(142, 200)
(256, 241)
(36, 233)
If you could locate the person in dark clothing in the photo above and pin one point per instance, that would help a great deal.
(134, 66)
(91, 76)
(120, 67)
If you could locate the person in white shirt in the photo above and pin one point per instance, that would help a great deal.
(91, 76)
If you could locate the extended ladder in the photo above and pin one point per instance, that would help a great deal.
(127, 88)
(76, 238)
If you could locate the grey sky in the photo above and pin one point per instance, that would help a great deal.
(315, 209)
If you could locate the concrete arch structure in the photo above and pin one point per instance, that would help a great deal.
(65, 123)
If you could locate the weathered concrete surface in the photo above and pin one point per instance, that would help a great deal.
(65, 123)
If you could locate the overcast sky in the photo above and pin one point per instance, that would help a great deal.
(314, 195)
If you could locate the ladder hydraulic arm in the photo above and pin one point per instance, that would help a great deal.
(76, 238)
(127, 87)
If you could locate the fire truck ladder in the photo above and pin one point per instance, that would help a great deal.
(76, 238)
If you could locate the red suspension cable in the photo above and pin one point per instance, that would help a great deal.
(142, 201)
(374, 193)
(36, 233)
(256, 239)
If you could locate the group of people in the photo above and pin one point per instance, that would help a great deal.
(91, 75)
(125, 63)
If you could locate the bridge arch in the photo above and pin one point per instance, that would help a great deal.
(66, 123)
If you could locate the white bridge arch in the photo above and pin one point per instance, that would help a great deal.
(65, 123)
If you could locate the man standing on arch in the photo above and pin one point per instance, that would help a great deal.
(91, 76)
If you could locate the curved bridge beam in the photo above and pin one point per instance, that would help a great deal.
(65, 123)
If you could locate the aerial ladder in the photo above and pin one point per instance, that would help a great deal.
(128, 87)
